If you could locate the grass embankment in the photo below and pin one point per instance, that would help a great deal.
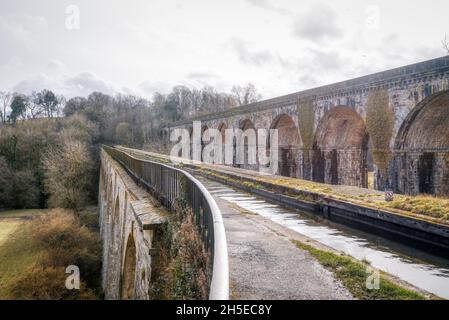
(352, 273)
(35, 253)
(17, 251)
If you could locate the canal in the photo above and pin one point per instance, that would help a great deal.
(422, 268)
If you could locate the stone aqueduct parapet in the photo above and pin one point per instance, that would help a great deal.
(128, 220)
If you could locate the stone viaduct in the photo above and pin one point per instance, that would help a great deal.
(395, 123)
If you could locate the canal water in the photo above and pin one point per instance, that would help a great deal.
(416, 266)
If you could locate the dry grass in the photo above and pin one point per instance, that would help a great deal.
(7, 228)
(18, 254)
(298, 184)
(33, 259)
(424, 205)
(24, 213)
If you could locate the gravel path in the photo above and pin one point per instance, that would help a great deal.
(264, 264)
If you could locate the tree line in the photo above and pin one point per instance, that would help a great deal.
(49, 145)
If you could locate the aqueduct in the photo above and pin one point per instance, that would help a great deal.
(396, 119)
(127, 218)
(135, 197)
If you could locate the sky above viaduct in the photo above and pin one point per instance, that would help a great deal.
(144, 46)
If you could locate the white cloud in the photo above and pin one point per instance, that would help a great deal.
(81, 84)
(20, 33)
(145, 46)
(266, 4)
(248, 55)
(319, 22)
(148, 88)
(56, 65)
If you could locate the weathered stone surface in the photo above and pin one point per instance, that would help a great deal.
(128, 220)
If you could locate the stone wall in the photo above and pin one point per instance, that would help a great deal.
(128, 221)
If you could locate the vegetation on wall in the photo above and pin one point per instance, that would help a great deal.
(380, 124)
(183, 267)
(306, 120)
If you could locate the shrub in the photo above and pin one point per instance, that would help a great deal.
(68, 175)
(124, 133)
(183, 267)
(5, 184)
(67, 243)
(62, 242)
(48, 284)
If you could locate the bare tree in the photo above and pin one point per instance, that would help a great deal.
(445, 43)
(68, 175)
(124, 134)
(6, 99)
(246, 95)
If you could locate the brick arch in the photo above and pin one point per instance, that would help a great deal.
(127, 287)
(289, 143)
(340, 148)
(422, 148)
(222, 127)
(246, 124)
(426, 126)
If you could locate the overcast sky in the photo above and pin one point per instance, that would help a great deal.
(143, 46)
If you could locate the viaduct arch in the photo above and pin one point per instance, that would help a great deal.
(247, 155)
(422, 148)
(340, 148)
(127, 288)
(289, 143)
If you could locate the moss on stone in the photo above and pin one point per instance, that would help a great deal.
(306, 121)
(380, 125)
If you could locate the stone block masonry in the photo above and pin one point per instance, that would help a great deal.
(128, 219)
